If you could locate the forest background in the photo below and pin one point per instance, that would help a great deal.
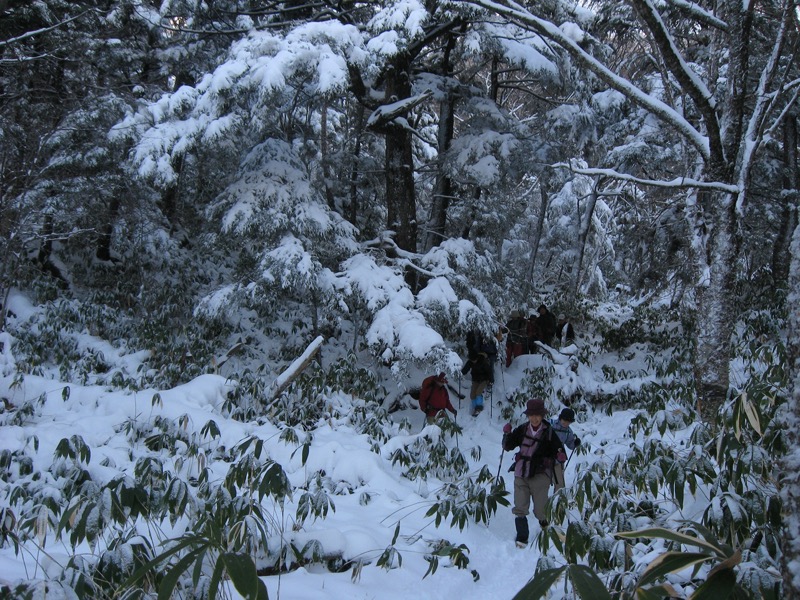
(225, 184)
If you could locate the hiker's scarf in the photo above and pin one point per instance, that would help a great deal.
(529, 444)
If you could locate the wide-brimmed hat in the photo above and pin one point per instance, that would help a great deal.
(535, 407)
(567, 415)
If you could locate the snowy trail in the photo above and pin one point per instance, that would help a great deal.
(372, 496)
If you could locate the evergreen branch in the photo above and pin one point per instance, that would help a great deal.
(36, 32)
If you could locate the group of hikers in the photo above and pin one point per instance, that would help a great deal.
(522, 333)
(541, 458)
(540, 461)
(521, 336)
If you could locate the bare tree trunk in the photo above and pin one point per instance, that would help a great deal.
(401, 199)
(358, 134)
(44, 258)
(790, 464)
(585, 226)
(103, 251)
(781, 256)
(443, 188)
(324, 158)
(537, 235)
(169, 199)
(400, 194)
(715, 308)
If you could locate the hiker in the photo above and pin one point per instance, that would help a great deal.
(473, 342)
(533, 465)
(477, 342)
(561, 426)
(516, 336)
(564, 331)
(489, 347)
(532, 332)
(482, 376)
(434, 398)
(546, 323)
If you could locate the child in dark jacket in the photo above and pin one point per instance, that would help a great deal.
(482, 375)
(561, 426)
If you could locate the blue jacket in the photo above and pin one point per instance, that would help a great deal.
(565, 434)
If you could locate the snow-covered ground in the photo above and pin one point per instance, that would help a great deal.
(372, 502)
(358, 530)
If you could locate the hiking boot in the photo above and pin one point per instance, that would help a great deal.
(521, 525)
(477, 411)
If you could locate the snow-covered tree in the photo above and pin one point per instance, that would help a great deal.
(724, 90)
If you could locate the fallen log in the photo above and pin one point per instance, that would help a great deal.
(293, 370)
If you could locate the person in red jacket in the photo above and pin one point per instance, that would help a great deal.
(434, 398)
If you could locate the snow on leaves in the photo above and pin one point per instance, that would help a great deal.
(406, 17)
(313, 56)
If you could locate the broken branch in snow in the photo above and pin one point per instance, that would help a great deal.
(298, 366)
(217, 362)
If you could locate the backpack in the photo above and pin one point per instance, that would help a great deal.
(425, 391)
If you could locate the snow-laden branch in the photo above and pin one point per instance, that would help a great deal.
(404, 258)
(518, 14)
(699, 13)
(790, 105)
(686, 77)
(763, 105)
(678, 182)
(389, 112)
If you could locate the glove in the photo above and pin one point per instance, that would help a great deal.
(461, 396)
(507, 428)
(577, 441)
(561, 456)
(455, 412)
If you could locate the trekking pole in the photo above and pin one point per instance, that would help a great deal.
(455, 429)
(503, 381)
(500, 466)
(571, 452)
(459, 391)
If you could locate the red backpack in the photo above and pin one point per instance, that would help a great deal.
(428, 386)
